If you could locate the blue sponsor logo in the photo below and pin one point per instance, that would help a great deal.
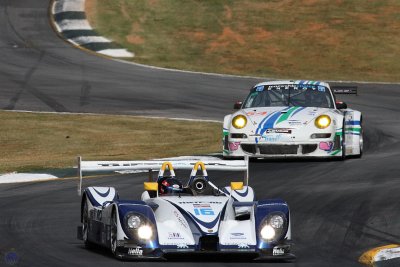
(11, 258)
(260, 88)
(272, 137)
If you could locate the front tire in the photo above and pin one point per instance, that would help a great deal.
(343, 142)
(361, 143)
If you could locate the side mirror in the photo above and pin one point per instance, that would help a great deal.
(341, 105)
(238, 105)
(236, 185)
(151, 186)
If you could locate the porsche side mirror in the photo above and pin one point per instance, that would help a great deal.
(341, 105)
(238, 105)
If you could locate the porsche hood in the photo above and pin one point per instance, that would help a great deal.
(266, 118)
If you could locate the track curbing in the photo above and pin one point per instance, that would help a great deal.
(388, 255)
(69, 20)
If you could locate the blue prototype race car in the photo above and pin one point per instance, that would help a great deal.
(193, 218)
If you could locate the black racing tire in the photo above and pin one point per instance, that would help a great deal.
(86, 225)
(343, 142)
(113, 233)
(361, 142)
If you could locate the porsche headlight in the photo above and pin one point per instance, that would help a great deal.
(267, 232)
(134, 221)
(145, 232)
(322, 121)
(239, 121)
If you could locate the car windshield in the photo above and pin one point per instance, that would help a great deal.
(289, 95)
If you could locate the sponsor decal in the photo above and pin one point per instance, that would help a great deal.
(135, 251)
(201, 205)
(326, 146)
(278, 251)
(255, 113)
(182, 246)
(173, 235)
(243, 245)
(180, 219)
(237, 236)
(233, 146)
(279, 130)
(203, 209)
(11, 258)
(272, 137)
(294, 122)
(199, 202)
(310, 85)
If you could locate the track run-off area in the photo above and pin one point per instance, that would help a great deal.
(339, 208)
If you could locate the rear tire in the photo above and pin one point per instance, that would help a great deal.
(86, 225)
(113, 234)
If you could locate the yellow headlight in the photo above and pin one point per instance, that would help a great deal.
(322, 121)
(239, 121)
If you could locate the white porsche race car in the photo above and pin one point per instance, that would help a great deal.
(293, 119)
(175, 219)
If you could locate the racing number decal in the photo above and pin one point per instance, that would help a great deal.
(204, 211)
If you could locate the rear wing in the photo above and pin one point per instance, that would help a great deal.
(348, 90)
(153, 165)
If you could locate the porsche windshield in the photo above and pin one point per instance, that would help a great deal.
(289, 95)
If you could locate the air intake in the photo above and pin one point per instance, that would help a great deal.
(209, 243)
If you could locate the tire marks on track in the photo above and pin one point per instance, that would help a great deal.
(46, 99)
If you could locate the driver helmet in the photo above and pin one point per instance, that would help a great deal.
(169, 185)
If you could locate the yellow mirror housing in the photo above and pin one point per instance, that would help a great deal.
(236, 185)
(151, 186)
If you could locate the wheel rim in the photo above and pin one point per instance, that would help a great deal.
(114, 234)
(361, 142)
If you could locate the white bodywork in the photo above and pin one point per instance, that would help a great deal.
(197, 217)
(289, 131)
(176, 229)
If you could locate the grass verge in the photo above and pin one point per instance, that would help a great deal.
(307, 39)
(34, 141)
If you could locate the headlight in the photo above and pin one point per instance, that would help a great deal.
(145, 232)
(267, 232)
(239, 121)
(276, 221)
(273, 227)
(322, 121)
(134, 221)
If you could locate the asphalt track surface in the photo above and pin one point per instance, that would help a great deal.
(339, 209)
